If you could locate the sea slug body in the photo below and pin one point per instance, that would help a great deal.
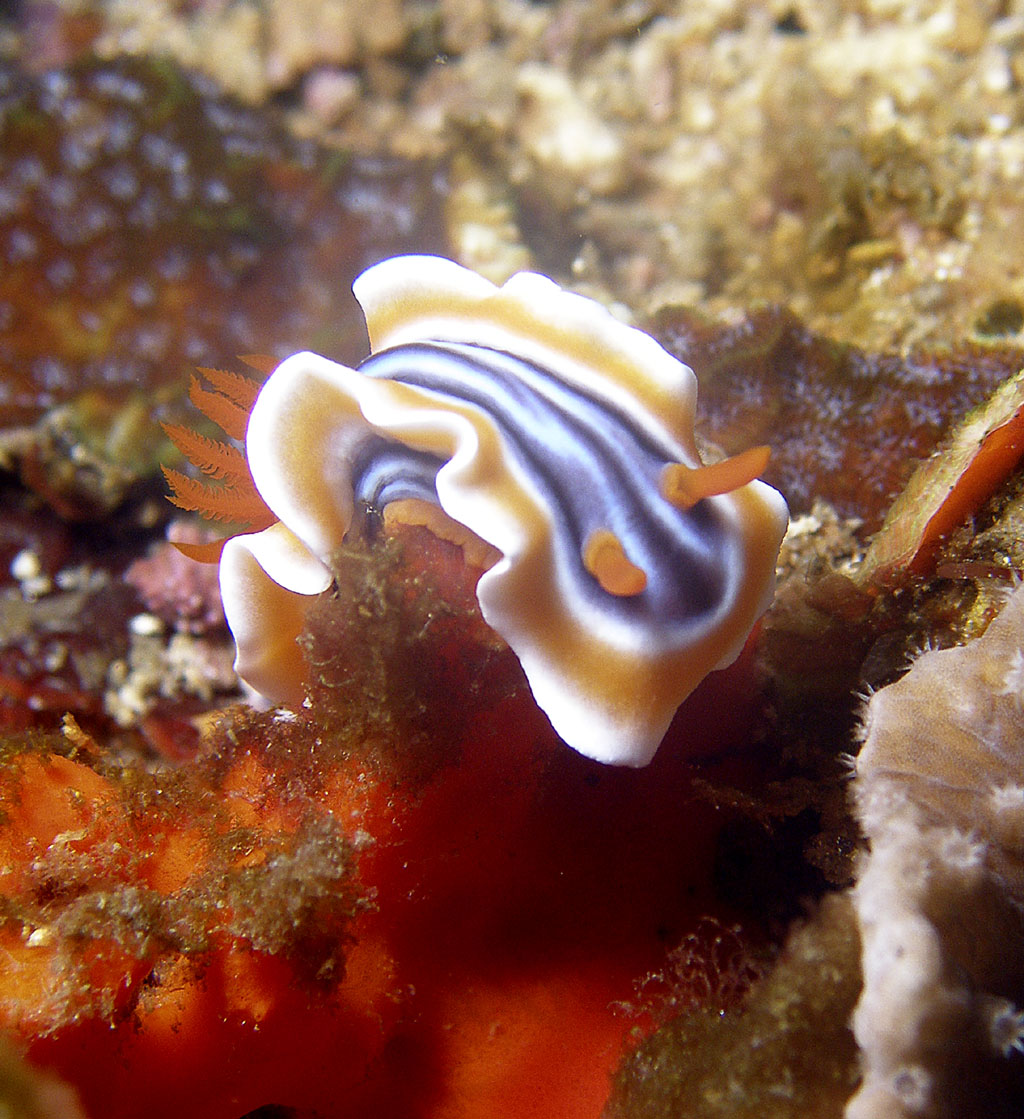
(559, 436)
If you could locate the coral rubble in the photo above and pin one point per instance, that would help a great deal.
(859, 160)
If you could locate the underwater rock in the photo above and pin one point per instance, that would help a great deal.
(939, 792)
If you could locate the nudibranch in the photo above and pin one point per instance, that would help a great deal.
(626, 568)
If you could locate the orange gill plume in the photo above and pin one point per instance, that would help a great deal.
(234, 500)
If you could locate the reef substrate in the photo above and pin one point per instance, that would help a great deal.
(421, 904)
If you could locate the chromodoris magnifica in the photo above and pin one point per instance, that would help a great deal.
(626, 569)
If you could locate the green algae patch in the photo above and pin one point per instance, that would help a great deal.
(788, 1053)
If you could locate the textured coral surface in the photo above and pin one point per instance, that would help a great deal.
(939, 793)
(845, 425)
(150, 225)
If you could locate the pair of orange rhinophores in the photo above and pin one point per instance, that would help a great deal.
(627, 569)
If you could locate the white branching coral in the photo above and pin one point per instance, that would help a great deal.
(939, 790)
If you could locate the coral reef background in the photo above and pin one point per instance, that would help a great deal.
(407, 899)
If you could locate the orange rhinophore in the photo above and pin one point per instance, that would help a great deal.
(606, 559)
(685, 485)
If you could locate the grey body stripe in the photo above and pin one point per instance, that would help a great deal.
(595, 466)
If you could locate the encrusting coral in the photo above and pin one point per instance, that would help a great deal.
(939, 791)
(846, 424)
